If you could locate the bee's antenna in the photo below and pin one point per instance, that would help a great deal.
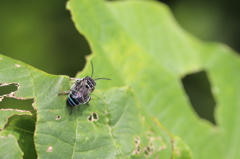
(103, 78)
(92, 69)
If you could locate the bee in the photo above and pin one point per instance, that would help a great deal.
(80, 91)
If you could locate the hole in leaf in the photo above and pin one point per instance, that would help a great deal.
(197, 87)
(12, 103)
(7, 88)
(137, 150)
(93, 117)
(90, 118)
(137, 140)
(58, 117)
(148, 150)
(137, 147)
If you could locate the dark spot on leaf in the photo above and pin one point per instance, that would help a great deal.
(93, 117)
(90, 118)
(137, 140)
(58, 117)
(148, 150)
(137, 145)
(198, 89)
(137, 150)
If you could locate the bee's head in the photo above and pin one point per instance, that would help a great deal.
(90, 83)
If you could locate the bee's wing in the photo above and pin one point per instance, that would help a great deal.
(82, 98)
(78, 83)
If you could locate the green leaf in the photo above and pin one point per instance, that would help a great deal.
(22, 127)
(9, 148)
(108, 128)
(138, 43)
(114, 126)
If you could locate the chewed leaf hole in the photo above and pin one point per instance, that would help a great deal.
(148, 150)
(12, 103)
(93, 117)
(137, 140)
(6, 88)
(58, 117)
(137, 150)
(198, 89)
(137, 145)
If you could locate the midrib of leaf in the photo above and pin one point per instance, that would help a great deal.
(23, 130)
(74, 146)
(111, 134)
(110, 128)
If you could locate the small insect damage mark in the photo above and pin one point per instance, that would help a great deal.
(93, 117)
(177, 152)
(17, 65)
(58, 117)
(49, 149)
(148, 150)
(153, 145)
(137, 145)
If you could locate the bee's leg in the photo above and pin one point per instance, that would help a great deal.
(88, 101)
(64, 93)
(72, 110)
(73, 79)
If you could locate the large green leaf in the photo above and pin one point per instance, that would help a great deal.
(114, 126)
(138, 43)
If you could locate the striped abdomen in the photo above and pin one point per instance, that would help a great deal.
(72, 101)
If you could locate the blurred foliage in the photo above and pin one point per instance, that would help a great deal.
(42, 35)
(213, 20)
